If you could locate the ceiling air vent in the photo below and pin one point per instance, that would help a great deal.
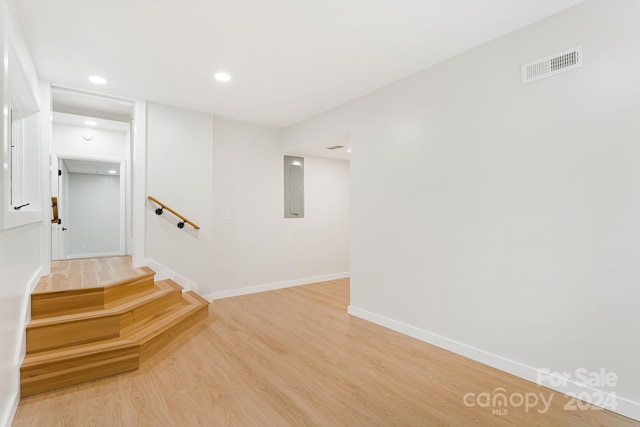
(335, 147)
(552, 65)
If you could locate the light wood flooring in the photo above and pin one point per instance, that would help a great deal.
(84, 273)
(294, 357)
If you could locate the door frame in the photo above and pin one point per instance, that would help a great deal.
(57, 248)
(56, 229)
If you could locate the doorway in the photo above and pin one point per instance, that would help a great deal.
(91, 201)
(90, 182)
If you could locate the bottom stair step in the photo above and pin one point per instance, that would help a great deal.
(54, 369)
(156, 334)
(74, 365)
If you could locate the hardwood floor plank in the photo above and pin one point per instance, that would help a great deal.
(294, 357)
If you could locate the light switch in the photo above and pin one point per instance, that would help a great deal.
(225, 215)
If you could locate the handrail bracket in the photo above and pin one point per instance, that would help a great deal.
(160, 211)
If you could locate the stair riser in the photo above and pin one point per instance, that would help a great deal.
(58, 335)
(64, 302)
(48, 377)
(152, 346)
(83, 300)
(152, 308)
(82, 375)
(131, 287)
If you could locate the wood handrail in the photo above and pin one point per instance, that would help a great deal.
(184, 220)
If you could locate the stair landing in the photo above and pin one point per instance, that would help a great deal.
(88, 273)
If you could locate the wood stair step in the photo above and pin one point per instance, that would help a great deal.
(73, 301)
(70, 329)
(60, 355)
(132, 311)
(126, 288)
(59, 368)
(156, 334)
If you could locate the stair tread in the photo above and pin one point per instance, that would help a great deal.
(136, 335)
(70, 317)
(44, 292)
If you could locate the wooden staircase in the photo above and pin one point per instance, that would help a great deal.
(83, 334)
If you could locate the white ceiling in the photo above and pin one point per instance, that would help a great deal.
(290, 59)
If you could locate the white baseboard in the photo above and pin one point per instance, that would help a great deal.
(26, 317)
(273, 286)
(21, 349)
(95, 255)
(163, 273)
(625, 407)
(10, 410)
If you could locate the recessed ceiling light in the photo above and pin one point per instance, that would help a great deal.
(112, 171)
(87, 137)
(348, 150)
(98, 80)
(90, 123)
(222, 77)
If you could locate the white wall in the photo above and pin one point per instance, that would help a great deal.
(22, 252)
(256, 245)
(94, 215)
(68, 142)
(179, 163)
(20, 267)
(227, 176)
(501, 220)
